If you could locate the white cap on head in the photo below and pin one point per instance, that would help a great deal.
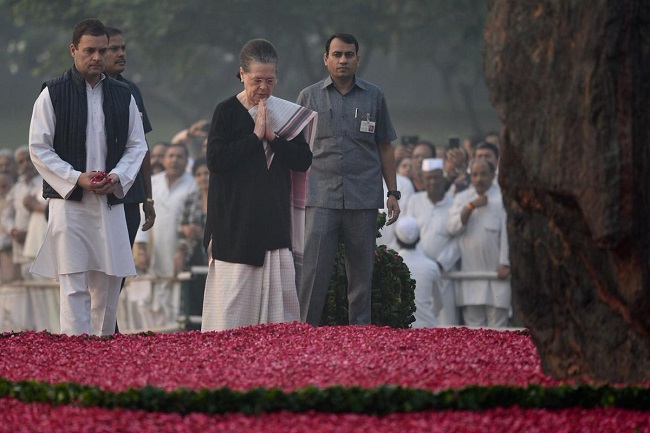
(430, 164)
(407, 230)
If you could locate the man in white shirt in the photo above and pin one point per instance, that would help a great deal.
(24, 213)
(430, 208)
(87, 142)
(23, 199)
(157, 246)
(478, 218)
(424, 271)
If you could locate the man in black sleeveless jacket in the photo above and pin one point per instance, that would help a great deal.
(87, 141)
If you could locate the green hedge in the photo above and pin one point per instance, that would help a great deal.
(336, 399)
(393, 289)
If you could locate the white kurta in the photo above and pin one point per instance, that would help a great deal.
(169, 207)
(16, 216)
(88, 234)
(438, 245)
(484, 246)
(160, 309)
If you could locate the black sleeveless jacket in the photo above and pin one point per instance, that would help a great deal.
(69, 99)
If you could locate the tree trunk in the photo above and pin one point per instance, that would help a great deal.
(571, 83)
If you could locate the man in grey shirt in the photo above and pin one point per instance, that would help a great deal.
(352, 151)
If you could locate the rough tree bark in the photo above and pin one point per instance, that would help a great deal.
(571, 83)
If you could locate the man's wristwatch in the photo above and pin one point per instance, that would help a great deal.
(395, 193)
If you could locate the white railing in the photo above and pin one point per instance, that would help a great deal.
(470, 275)
(10, 292)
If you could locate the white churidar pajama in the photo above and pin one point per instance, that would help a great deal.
(96, 306)
(85, 237)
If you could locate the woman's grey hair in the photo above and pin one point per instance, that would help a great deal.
(257, 50)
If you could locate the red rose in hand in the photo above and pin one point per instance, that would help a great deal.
(101, 175)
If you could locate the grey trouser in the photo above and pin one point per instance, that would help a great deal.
(359, 230)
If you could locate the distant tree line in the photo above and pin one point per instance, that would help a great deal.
(185, 48)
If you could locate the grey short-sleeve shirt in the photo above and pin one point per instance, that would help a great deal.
(346, 167)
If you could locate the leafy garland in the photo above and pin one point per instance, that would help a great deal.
(336, 399)
(393, 289)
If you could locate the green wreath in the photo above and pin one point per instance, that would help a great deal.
(393, 289)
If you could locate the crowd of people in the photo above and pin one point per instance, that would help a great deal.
(454, 217)
(259, 194)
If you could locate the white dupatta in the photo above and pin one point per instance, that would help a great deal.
(289, 119)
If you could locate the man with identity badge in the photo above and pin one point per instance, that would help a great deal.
(351, 152)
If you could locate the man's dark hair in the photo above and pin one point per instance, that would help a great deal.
(112, 31)
(345, 37)
(489, 146)
(89, 26)
(198, 163)
(180, 146)
(429, 144)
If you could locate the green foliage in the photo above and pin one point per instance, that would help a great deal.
(184, 48)
(393, 289)
(380, 400)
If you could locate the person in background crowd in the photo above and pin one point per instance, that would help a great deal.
(478, 218)
(404, 166)
(23, 199)
(488, 152)
(6, 262)
(190, 251)
(455, 170)
(157, 155)
(430, 209)
(248, 231)
(352, 152)
(188, 138)
(86, 141)
(422, 150)
(157, 246)
(424, 271)
(24, 218)
(8, 164)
